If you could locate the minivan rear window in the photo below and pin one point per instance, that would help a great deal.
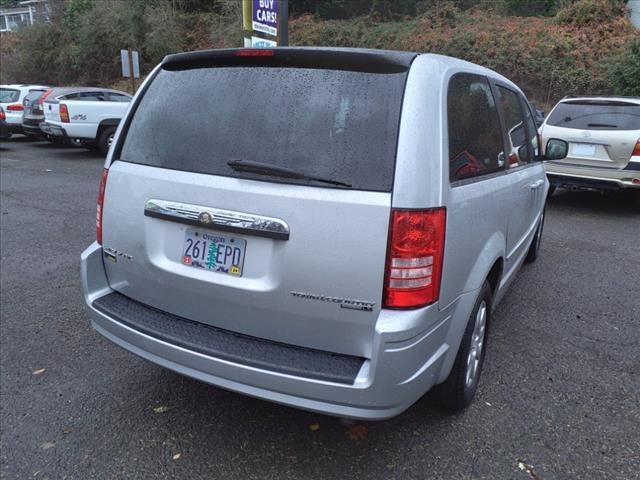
(596, 115)
(334, 124)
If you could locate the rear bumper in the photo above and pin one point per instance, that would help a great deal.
(13, 128)
(53, 130)
(32, 129)
(407, 359)
(574, 176)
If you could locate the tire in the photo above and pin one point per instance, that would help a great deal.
(57, 141)
(458, 390)
(534, 248)
(105, 139)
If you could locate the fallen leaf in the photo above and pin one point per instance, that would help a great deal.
(47, 445)
(66, 430)
(39, 371)
(177, 456)
(357, 432)
(528, 469)
(160, 409)
(314, 427)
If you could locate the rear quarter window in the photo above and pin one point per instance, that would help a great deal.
(335, 124)
(475, 138)
(596, 115)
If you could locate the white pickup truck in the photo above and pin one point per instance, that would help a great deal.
(86, 115)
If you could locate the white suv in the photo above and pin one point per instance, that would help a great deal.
(604, 143)
(89, 115)
(11, 97)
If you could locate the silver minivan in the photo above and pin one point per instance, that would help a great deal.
(325, 228)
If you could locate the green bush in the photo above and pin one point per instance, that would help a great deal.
(624, 71)
(590, 12)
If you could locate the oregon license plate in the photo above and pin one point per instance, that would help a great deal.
(214, 252)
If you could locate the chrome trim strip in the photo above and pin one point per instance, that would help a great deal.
(218, 219)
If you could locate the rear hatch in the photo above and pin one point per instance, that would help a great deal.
(198, 223)
(601, 132)
(32, 108)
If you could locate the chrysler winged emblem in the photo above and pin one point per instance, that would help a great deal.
(205, 218)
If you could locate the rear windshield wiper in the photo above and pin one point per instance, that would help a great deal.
(601, 125)
(261, 168)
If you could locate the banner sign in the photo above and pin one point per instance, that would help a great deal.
(258, 42)
(265, 16)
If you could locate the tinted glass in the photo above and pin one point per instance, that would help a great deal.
(596, 115)
(530, 124)
(519, 152)
(340, 125)
(32, 96)
(92, 96)
(9, 95)
(118, 97)
(475, 141)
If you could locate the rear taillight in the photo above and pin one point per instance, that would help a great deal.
(99, 210)
(64, 113)
(636, 149)
(414, 258)
(44, 95)
(2, 115)
(16, 107)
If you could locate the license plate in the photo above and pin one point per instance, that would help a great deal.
(214, 252)
(584, 149)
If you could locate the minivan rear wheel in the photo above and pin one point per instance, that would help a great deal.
(458, 390)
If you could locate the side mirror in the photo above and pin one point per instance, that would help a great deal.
(556, 149)
(523, 152)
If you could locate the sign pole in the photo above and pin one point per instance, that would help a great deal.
(283, 23)
(247, 25)
(133, 77)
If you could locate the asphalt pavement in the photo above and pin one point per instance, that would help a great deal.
(559, 396)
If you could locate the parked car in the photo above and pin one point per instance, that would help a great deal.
(33, 114)
(88, 115)
(604, 143)
(11, 97)
(5, 132)
(299, 229)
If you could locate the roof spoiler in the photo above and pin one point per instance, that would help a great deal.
(357, 60)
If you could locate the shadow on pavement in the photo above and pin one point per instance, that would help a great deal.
(598, 202)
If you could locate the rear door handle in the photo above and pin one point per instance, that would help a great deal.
(536, 185)
(218, 219)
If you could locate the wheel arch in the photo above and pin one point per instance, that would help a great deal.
(489, 267)
(107, 122)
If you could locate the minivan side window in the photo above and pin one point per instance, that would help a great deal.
(519, 152)
(475, 139)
